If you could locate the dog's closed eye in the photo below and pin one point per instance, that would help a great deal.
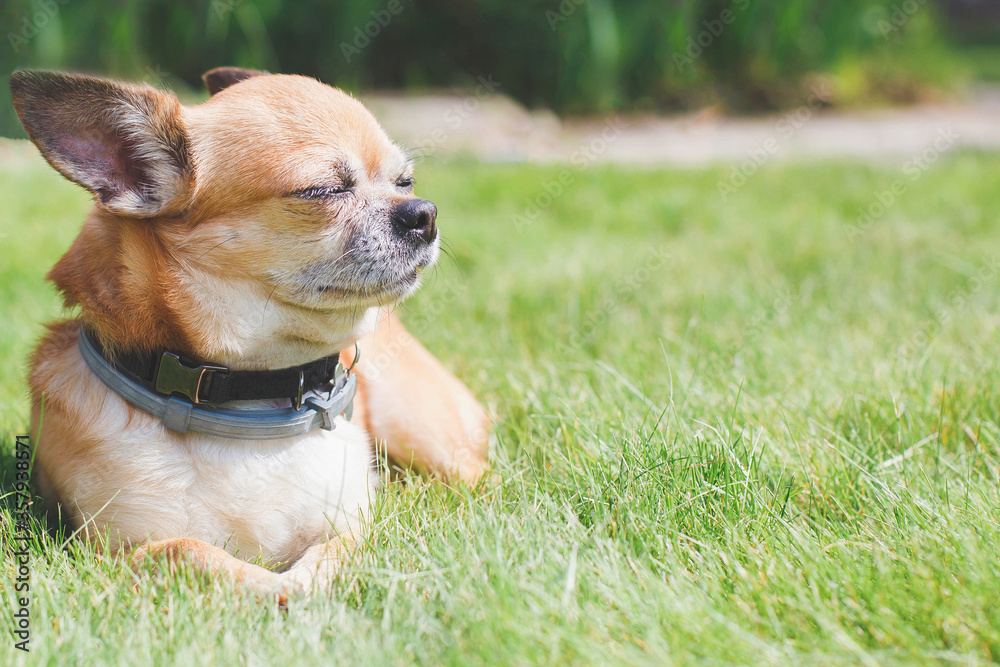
(331, 190)
(324, 191)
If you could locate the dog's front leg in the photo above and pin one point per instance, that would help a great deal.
(318, 565)
(213, 562)
(425, 416)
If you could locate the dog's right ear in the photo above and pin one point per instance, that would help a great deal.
(221, 78)
(125, 143)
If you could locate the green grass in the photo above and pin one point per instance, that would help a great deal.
(721, 435)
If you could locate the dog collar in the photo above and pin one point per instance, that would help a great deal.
(319, 391)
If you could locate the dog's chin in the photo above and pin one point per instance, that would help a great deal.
(382, 292)
(365, 283)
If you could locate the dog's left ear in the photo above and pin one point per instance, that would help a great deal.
(221, 78)
(125, 143)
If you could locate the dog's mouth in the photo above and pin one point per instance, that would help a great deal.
(368, 273)
(383, 286)
(377, 290)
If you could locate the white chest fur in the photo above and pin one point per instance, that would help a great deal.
(135, 480)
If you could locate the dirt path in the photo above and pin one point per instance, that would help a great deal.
(496, 129)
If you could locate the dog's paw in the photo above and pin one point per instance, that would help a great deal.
(140, 560)
(290, 588)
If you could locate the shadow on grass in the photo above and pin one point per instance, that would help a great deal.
(46, 529)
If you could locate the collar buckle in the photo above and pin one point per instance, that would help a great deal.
(173, 377)
(339, 399)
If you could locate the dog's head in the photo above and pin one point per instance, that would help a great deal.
(263, 224)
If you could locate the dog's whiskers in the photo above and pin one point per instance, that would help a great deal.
(263, 314)
(202, 256)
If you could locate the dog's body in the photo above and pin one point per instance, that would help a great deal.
(263, 229)
(120, 474)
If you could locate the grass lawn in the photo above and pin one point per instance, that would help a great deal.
(734, 431)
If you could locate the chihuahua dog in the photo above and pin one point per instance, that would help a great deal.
(266, 229)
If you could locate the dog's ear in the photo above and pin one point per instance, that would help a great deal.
(125, 143)
(221, 78)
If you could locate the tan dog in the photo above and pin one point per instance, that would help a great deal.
(264, 229)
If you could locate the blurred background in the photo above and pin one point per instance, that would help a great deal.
(543, 59)
(730, 393)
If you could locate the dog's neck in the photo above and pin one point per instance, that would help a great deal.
(136, 295)
(243, 326)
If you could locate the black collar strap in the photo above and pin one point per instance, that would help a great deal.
(137, 378)
(167, 373)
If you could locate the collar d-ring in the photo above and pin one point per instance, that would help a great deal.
(357, 356)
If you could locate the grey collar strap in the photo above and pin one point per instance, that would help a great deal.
(318, 408)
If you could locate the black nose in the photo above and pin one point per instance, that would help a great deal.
(416, 215)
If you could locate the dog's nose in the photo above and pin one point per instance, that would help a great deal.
(416, 215)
